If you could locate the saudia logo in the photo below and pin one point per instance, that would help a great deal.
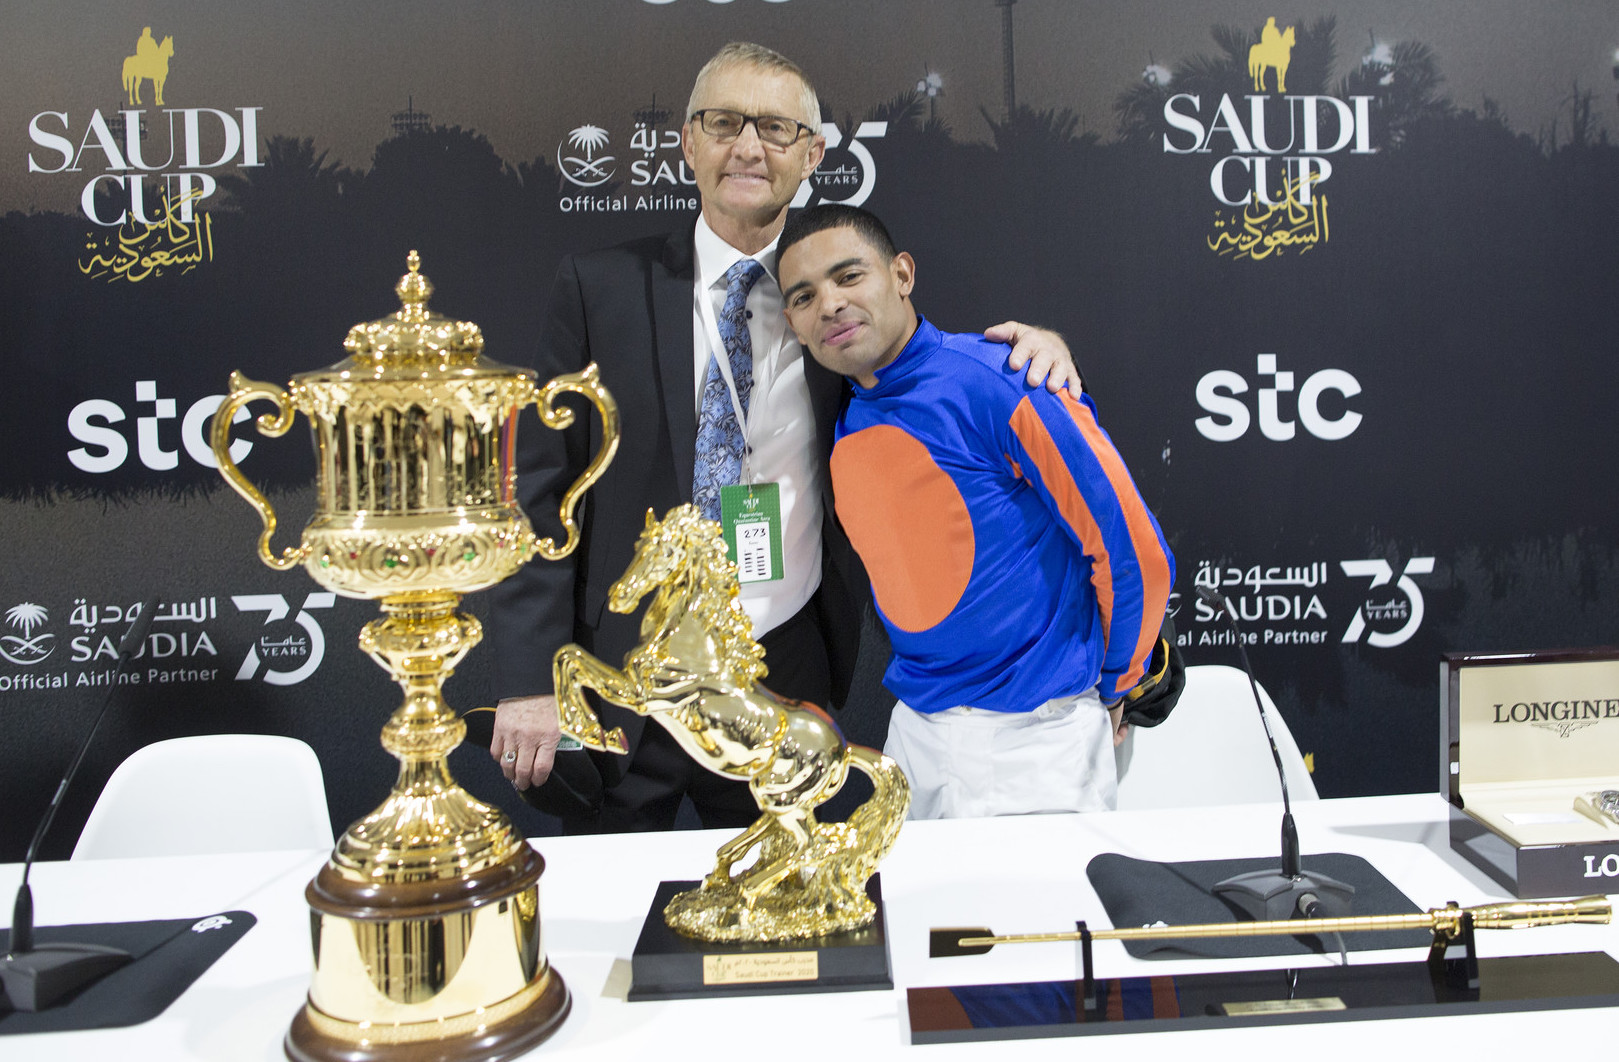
(663, 181)
(1291, 600)
(589, 171)
(286, 648)
(26, 648)
(1272, 187)
(660, 175)
(146, 210)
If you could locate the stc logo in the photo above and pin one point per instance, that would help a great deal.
(1229, 417)
(106, 448)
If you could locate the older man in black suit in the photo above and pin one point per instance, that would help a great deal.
(714, 392)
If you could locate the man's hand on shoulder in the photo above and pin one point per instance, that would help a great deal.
(525, 741)
(1043, 351)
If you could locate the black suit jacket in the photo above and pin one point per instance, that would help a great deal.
(629, 309)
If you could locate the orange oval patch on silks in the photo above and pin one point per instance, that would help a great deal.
(908, 522)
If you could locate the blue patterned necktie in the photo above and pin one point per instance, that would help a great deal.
(719, 436)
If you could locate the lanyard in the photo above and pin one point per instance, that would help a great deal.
(722, 357)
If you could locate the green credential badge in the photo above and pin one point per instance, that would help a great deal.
(751, 516)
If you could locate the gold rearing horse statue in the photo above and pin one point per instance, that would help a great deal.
(696, 672)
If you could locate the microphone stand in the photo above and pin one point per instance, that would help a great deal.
(37, 978)
(1290, 892)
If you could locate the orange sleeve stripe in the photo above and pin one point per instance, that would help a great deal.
(1150, 559)
(1155, 576)
(1042, 449)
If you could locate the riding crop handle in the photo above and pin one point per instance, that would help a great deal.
(1592, 909)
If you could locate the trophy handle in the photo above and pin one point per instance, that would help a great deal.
(243, 391)
(586, 382)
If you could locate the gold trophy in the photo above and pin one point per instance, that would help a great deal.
(427, 930)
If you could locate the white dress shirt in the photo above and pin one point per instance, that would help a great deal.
(780, 430)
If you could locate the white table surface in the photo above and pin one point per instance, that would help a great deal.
(1012, 874)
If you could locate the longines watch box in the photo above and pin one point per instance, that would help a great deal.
(1530, 762)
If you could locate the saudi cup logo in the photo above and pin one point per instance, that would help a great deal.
(26, 648)
(589, 171)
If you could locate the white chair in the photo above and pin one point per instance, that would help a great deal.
(206, 795)
(1212, 749)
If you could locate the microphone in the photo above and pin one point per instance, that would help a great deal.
(35, 979)
(1269, 895)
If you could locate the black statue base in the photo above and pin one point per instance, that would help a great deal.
(667, 965)
(975, 1013)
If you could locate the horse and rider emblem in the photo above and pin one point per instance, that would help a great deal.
(150, 62)
(696, 672)
(1273, 52)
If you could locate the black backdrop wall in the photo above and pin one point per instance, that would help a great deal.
(1353, 335)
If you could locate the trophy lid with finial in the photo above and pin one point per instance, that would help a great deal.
(415, 334)
(415, 340)
(413, 357)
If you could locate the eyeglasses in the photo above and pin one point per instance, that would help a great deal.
(772, 128)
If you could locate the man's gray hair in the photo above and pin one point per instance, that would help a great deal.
(741, 53)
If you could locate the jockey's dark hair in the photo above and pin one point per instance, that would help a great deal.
(837, 216)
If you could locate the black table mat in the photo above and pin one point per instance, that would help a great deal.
(1136, 892)
(167, 957)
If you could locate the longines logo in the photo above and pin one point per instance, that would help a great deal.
(1270, 188)
(146, 205)
(1563, 716)
(1607, 868)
